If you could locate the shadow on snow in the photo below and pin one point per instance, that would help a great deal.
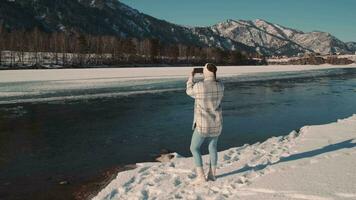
(347, 144)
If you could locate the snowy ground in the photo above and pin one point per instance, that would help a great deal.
(316, 163)
(106, 74)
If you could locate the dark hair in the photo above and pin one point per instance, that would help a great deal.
(211, 67)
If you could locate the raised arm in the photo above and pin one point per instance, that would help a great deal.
(190, 86)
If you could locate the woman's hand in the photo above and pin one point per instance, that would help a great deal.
(191, 76)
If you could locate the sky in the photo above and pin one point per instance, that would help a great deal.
(337, 17)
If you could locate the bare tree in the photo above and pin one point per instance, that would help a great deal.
(36, 47)
(2, 45)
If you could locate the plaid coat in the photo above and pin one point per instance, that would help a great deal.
(208, 95)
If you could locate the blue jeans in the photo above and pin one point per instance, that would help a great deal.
(197, 141)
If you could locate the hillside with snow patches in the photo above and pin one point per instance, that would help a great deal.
(269, 38)
(111, 17)
(351, 46)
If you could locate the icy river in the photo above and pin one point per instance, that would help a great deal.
(49, 134)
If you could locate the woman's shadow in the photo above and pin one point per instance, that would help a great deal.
(347, 144)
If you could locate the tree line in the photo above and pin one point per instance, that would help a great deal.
(36, 48)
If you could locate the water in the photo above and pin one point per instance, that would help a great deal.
(44, 142)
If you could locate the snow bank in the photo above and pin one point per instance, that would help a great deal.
(317, 163)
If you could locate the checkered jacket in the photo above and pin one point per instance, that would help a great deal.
(208, 95)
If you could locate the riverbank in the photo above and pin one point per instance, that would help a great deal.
(108, 74)
(316, 162)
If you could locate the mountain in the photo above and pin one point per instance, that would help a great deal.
(269, 38)
(111, 17)
(105, 17)
(351, 46)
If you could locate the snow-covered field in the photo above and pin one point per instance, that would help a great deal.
(107, 74)
(316, 163)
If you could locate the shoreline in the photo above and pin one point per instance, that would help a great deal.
(94, 185)
(264, 169)
(273, 63)
(64, 188)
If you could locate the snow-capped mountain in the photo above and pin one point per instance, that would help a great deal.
(351, 46)
(272, 38)
(265, 38)
(111, 17)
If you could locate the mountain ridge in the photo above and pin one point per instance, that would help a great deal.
(273, 36)
(112, 17)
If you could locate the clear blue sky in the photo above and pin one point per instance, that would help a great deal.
(337, 17)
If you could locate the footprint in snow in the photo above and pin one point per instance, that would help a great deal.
(177, 182)
(192, 176)
(226, 157)
(143, 169)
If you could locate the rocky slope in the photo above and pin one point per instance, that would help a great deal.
(269, 38)
(351, 46)
(105, 17)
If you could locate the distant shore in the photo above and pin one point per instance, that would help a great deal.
(281, 62)
(132, 73)
(337, 60)
(91, 67)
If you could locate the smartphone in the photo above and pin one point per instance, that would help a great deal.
(198, 70)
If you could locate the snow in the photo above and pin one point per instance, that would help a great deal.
(102, 74)
(251, 33)
(272, 36)
(92, 3)
(316, 163)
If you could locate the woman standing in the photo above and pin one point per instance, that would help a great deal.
(207, 123)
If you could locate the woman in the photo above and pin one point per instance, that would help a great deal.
(207, 123)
